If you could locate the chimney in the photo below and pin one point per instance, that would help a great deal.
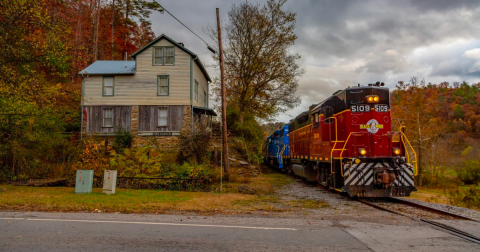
(182, 44)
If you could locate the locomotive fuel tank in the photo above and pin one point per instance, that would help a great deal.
(304, 172)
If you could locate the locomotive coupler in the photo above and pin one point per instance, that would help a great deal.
(385, 178)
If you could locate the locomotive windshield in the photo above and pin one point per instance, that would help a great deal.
(358, 96)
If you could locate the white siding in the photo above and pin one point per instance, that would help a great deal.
(141, 88)
(202, 85)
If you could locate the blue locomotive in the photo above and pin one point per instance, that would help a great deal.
(276, 146)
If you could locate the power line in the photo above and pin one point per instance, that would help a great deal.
(163, 8)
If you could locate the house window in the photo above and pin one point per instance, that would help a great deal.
(162, 116)
(164, 55)
(169, 55)
(163, 83)
(205, 99)
(196, 90)
(108, 117)
(108, 86)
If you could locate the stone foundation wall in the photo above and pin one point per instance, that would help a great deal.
(167, 143)
(134, 120)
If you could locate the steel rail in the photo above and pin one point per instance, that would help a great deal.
(431, 209)
(436, 225)
(406, 202)
(439, 226)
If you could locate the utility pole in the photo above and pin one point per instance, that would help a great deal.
(224, 110)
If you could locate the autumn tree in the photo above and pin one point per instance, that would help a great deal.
(34, 44)
(44, 44)
(136, 14)
(418, 107)
(260, 72)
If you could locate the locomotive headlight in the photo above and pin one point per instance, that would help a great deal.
(373, 98)
(362, 152)
(396, 151)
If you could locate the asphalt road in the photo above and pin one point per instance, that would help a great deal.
(110, 232)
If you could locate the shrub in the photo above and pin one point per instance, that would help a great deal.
(469, 172)
(249, 134)
(148, 161)
(32, 143)
(94, 157)
(123, 139)
(196, 143)
(463, 197)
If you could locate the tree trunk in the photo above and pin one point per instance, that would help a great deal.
(241, 116)
(113, 18)
(126, 30)
(420, 144)
(420, 166)
(95, 48)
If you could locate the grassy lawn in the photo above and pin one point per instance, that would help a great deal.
(23, 198)
(437, 195)
(429, 195)
(64, 199)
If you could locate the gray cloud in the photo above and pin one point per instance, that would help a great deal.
(343, 43)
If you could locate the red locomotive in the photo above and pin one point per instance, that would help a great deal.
(346, 142)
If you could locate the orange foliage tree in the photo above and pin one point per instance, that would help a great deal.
(441, 121)
(44, 44)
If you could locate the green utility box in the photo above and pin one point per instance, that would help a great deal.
(84, 181)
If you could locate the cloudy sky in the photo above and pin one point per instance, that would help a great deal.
(343, 43)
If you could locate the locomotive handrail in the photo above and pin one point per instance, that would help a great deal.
(408, 155)
(343, 149)
(335, 144)
(336, 140)
(341, 153)
(280, 154)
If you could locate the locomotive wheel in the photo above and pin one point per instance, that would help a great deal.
(290, 169)
(330, 181)
(325, 179)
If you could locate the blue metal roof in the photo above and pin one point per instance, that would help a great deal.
(103, 67)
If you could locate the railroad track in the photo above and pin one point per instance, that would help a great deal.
(392, 205)
(430, 213)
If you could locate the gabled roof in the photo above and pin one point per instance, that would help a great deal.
(163, 36)
(104, 67)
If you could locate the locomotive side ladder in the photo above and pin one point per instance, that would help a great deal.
(280, 156)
